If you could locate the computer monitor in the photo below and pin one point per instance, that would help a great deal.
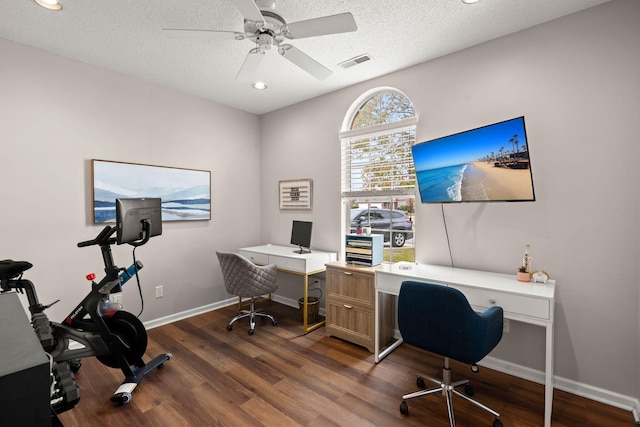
(301, 236)
(138, 219)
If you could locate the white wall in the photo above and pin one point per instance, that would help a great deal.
(57, 115)
(577, 82)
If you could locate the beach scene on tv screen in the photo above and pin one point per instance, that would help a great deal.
(485, 164)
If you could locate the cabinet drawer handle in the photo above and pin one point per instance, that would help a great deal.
(348, 273)
(492, 300)
(348, 306)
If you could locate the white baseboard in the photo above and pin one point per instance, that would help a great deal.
(597, 394)
(215, 306)
(189, 313)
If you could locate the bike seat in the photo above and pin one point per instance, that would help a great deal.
(10, 268)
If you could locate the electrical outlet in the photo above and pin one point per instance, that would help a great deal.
(505, 326)
(159, 291)
(117, 298)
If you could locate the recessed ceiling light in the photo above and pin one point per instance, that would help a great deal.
(470, 1)
(259, 85)
(49, 4)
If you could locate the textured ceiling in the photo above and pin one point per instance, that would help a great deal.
(126, 36)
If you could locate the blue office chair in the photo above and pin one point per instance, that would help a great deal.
(439, 319)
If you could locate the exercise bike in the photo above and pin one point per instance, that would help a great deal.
(118, 339)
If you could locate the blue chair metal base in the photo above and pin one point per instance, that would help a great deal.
(447, 388)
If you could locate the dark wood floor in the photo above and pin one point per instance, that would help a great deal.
(280, 377)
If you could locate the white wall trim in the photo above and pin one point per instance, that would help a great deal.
(597, 394)
(210, 307)
(189, 313)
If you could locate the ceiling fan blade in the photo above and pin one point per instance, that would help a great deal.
(176, 33)
(304, 61)
(250, 65)
(249, 10)
(341, 23)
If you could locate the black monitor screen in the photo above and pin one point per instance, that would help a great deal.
(130, 215)
(301, 235)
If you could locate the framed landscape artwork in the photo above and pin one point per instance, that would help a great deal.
(185, 193)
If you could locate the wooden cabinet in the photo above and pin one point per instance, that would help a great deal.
(351, 305)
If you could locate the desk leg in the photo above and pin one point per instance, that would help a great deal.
(376, 325)
(548, 384)
(379, 355)
(305, 307)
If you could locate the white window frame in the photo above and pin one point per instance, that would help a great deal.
(347, 135)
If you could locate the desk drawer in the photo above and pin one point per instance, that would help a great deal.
(255, 257)
(291, 264)
(510, 303)
(351, 287)
(352, 323)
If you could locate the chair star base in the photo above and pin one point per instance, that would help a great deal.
(447, 388)
(251, 314)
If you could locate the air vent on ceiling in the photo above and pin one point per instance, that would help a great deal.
(355, 61)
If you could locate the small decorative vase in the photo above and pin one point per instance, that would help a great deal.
(524, 276)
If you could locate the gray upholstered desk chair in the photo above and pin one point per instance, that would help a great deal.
(439, 319)
(245, 279)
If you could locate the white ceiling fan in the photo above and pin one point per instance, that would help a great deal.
(267, 29)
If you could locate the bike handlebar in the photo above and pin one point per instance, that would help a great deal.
(101, 239)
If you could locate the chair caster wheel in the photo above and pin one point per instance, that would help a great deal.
(275, 323)
(468, 390)
(251, 331)
(420, 383)
(404, 408)
(497, 423)
(229, 327)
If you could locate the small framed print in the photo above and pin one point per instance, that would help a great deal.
(295, 194)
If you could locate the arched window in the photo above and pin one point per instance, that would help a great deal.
(378, 176)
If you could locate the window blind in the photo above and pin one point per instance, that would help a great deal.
(377, 161)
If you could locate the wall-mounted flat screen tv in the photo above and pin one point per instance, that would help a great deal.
(487, 164)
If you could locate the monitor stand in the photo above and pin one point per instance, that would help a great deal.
(302, 251)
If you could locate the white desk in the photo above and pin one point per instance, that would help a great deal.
(525, 302)
(289, 261)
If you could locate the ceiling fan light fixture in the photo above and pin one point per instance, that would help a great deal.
(259, 85)
(268, 30)
(266, 4)
(49, 4)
